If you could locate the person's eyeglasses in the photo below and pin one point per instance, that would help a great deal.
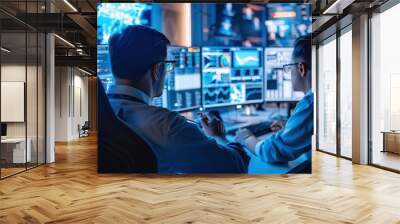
(288, 67)
(169, 65)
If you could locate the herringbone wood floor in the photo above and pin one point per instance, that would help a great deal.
(71, 191)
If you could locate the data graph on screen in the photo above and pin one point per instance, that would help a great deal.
(246, 59)
(231, 76)
(278, 83)
(182, 90)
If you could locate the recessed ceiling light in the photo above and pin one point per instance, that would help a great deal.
(5, 50)
(65, 41)
(70, 5)
(337, 7)
(84, 71)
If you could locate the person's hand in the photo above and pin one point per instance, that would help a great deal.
(242, 134)
(246, 138)
(213, 127)
(276, 126)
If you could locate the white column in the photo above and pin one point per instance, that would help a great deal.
(50, 92)
(360, 90)
(50, 99)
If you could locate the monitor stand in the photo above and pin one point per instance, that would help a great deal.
(249, 110)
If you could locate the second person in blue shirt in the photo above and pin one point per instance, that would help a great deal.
(294, 139)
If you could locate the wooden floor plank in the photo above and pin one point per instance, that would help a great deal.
(71, 191)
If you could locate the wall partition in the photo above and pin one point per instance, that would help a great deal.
(14, 153)
(22, 88)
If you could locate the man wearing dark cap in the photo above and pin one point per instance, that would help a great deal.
(294, 139)
(138, 61)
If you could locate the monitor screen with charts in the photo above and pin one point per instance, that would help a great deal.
(103, 64)
(182, 90)
(114, 18)
(278, 84)
(286, 22)
(232, 76)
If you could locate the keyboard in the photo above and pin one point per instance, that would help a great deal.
(258, 129)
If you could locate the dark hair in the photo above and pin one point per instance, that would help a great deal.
(135, 50)
(302, 50)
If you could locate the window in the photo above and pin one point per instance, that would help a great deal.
(326, 139)
(385, 89)
(346, 93)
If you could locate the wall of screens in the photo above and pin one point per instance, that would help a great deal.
(254, 42)
(250, 24)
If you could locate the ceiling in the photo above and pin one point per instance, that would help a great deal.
(330, 15)
(73, 21)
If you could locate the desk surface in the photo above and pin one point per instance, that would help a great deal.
(256, 166)
(391, 132)
(13, 140)
(235, 120)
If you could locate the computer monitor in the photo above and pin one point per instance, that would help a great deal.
(103, 64)
(3, 129)
(230, 24)
(232, 76)
(286, 22)
(114, 17)
(278, 84)
(182, 91)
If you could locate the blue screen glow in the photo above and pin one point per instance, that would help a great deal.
(114, 17)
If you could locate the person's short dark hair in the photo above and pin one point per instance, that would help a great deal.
(302, 50)
(135, 50)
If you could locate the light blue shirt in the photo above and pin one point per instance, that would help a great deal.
(180, 146)
(294, 139)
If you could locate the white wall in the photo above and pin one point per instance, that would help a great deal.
(80, 111)
(61, 103)
(16, 72)
(71, 94)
